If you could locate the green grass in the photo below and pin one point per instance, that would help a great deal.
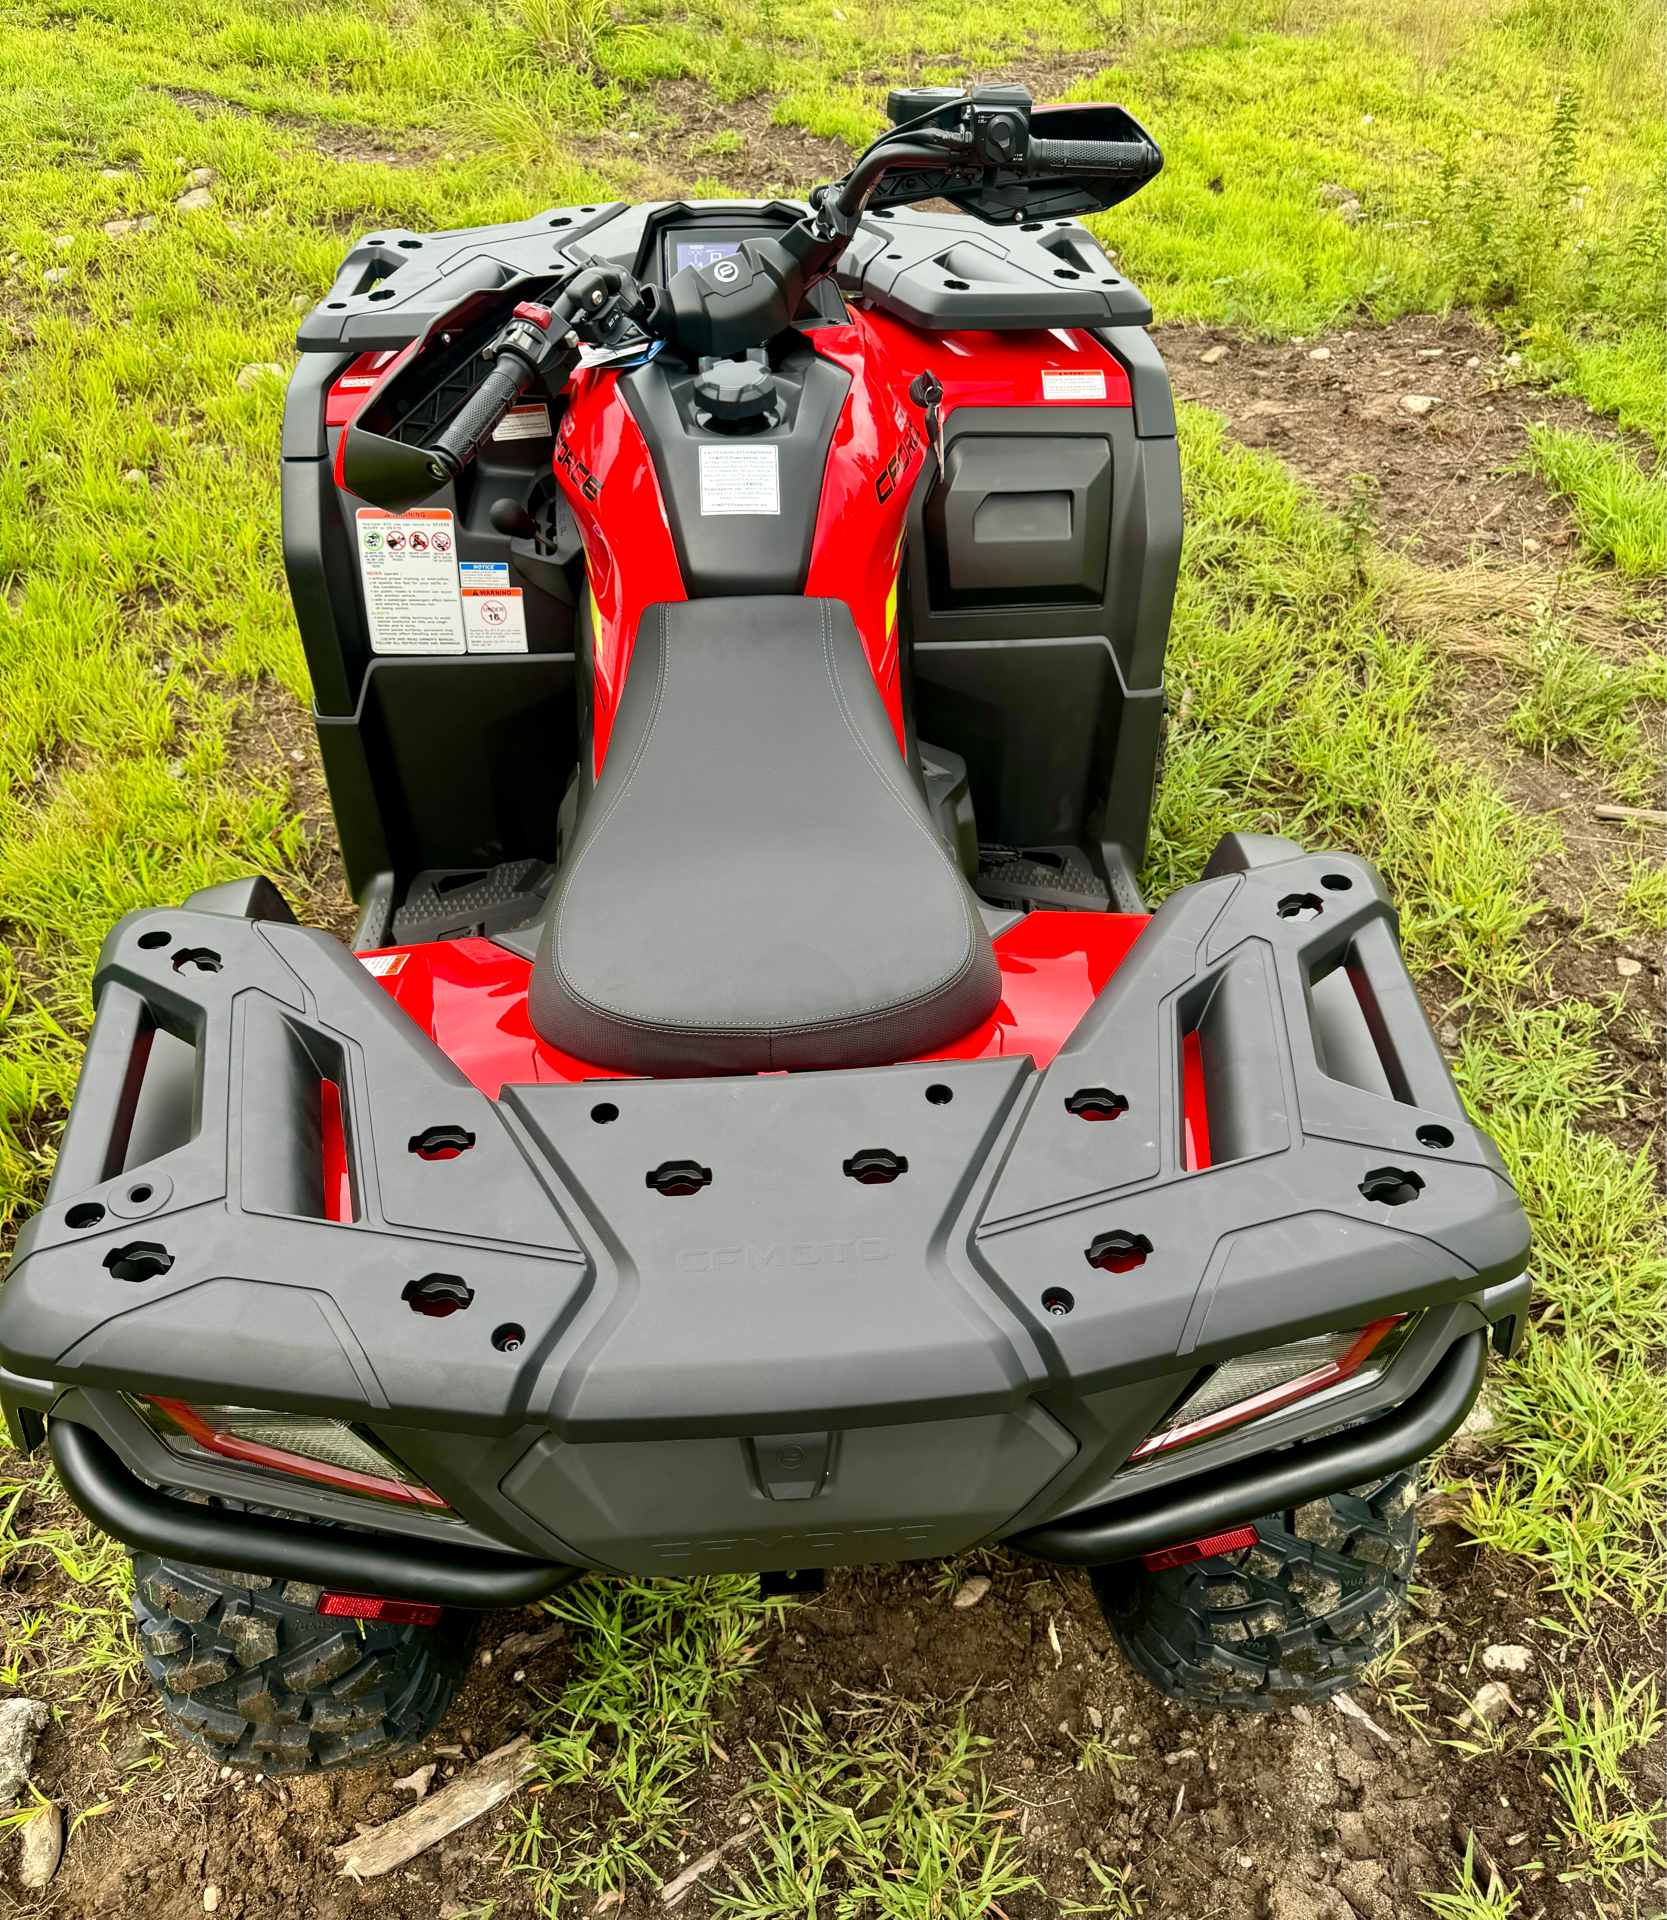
(1621, 511)
(653, 1661)
(1581, 1408)
(1608, 1828)
(887, 1815)
(1299, 706)
(80, 1644)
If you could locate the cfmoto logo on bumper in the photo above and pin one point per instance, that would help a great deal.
(785, 1253)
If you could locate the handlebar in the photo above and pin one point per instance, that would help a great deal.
(477, 419)
(1088, 156)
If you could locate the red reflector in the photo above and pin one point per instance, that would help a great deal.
(1162, 1558)
(1195, 1122)
(366, 1606)
(338, 1185)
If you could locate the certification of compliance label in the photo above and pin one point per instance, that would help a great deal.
(1061, 384)
(739, 480)
(408, 564)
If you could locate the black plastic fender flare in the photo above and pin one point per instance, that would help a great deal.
(118, 1501)
(1193, 1509)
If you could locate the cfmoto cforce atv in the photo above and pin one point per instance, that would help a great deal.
(758, 1126)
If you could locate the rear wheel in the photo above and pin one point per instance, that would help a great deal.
(256, 1678)
(1296, 1617)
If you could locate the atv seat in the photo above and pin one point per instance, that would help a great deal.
(756, 882)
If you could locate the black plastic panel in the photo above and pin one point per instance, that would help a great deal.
(943, 271)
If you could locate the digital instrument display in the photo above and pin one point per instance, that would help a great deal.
(701, 253)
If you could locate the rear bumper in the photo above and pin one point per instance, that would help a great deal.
(1307, 1471)
(152, 1522)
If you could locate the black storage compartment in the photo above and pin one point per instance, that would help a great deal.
(1020, 521)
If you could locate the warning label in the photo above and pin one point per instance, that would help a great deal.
(381, 965)
(408, 563)
(524, 423)
(739, 480)
(1059, 384)
(494, 619)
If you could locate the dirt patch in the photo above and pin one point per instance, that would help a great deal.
(333, 141)
(1304, 1816)
(692, 135)
(1442, 488)
(272, 737)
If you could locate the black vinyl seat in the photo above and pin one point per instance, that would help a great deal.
(756, 882)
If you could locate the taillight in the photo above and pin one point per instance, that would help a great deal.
(1255, 1384)
(368, 1606)
(309, 1446)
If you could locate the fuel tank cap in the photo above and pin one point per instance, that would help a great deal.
(735, 390)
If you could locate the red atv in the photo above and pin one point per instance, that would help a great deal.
(759, 1126)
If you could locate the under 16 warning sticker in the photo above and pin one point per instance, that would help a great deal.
(494, 620)
(408, 563)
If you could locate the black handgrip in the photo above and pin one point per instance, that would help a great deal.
(479, 414)
(1091, 156)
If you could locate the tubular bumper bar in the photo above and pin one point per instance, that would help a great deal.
(1104, 1535)
(122, 1504)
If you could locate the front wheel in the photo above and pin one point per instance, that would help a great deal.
(255, 1677)
(1295, 1618)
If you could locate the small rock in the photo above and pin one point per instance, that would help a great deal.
(211, 1898)
(55, 276)
(1530, 546)
(301, 303)
(1431, 353)
(257, 371)
(416, 1784)
(1493, 1701)
(1475, 360)
(202, 176)
(116, 228)
(1449, 1035)
(1480, 1428)
(112, 173)
(42, 1847)
(1627, 968)
(1214, 357)
(134, 477)
(21, 1719)
(1508, 1659)
(1096, 1719)
(196, 200)
(64, 242)
(137, 1748)
(1418, 403)
(970, 1592)
(1513, 359)
(1319, 353)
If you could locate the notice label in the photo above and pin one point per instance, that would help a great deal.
(524, 423)
(1057, 384)
(408, 564)
(381, 965)
(739, 480)
(494, 619)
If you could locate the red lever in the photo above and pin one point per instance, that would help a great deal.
(539, 316)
